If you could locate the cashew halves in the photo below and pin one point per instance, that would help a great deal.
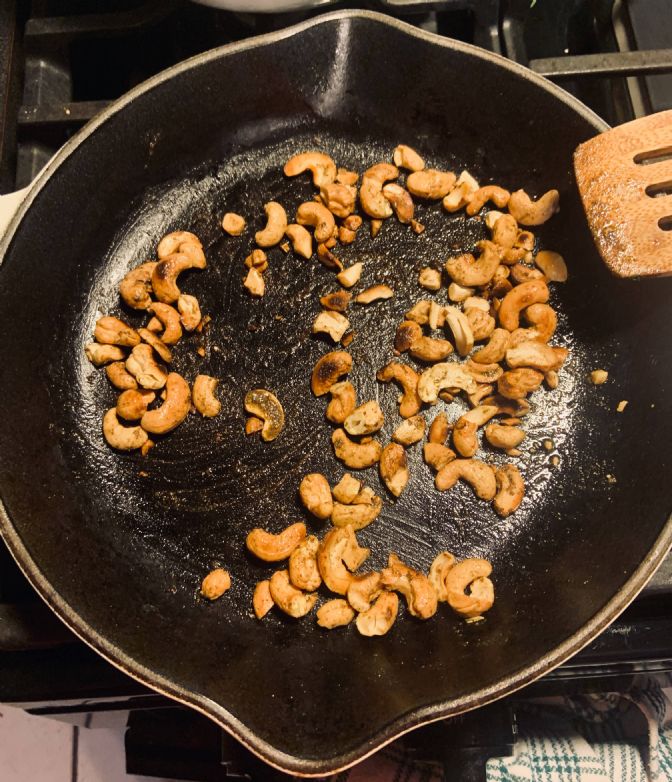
(276, 223)
(371, 196)
(410, 431)
(288, 598)
(215, 584)
(510, 490)
(328, 369)
(303, 571)
(264, 405)
(123, 438)
(335, 613)
(203, 395)
(365, 419)
(408, 379)
(444, 375)
(394, 468)
(174, 409)
(275, 548)
(356, 456)
(480, 475)
(315, 495)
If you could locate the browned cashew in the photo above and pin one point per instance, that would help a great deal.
(482, 324)
(410, 431)
(415, 587)
(151, 339)
(258, 260)
(302, 241)
(516, 408)
(430, 183)
(289, 599)
(521, 273)
(505, 232)
(174, 409)
(215, 584)
(338, 554)
(408, 379)
(363, 590)
(419, 313)
(321, 166)
(444, 375)
(119, 377)
(275, 548)
(347, 489)
(429, 278)
(315, 495)
(203, 395)
(518, 383)
(233, 224)
(394, 468)
(439, 429)
(465, 186)
(552, 265)
(334, 613)
(510, 490)
(365, 419)
(479, 395)
(112, 331)
(496, 348)
(522, 296)
(498, 195)
(361, 511)
(528, 212)
(332, 323)
(170, 320)
(458, 293)
(543, 318)
(356, 456)
(371, 196)
(337, 301)
(483, 373)
(165, 274)
(408, 158)
(339, 199)
(264, 405)
(303, 571)
(437, 455)
(374, 293)
(254, 283)
(431, 350)
(328, 369)
(99, 355)
(343, 401)
(262, 602)
(190, 312)
(401, 202)
(123, 438)
(182, 241)
(471, 272)
(136, 286)
(535, 354)
(504, 437)
(350, 276)
(133, 403)
(276, 223)
(253, 425)
(438, 572)
(459, 325)
(464, 432)
(481, 595)
(143, 367)
(380, 617)
(480, 475)
(318, 216)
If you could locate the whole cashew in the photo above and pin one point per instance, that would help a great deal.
(275, 548)
(133, 403)
(365, 419)
(496, 348)
(347, 489)
(203, 395)
(315, 495)
(430, 183)
(466, 427)
(401, 202)
(334, 613)
(437, 455)
(112, 331)
(469, 272)
(174, 409)
(552, 265)
(262, 601)
(522, 296)
(528, 212)
(170, 318)
(480, 475)
(363, 590)
(136, 286)
(408, 379)
(276, 223)
(430, 350)
(407, 158)
(518, 383)
(483, 373)
(356, 456)
(264, 405)
(459, 325)
(537, 355)
(343, 401)
(356, 514)
(165, 274)
(143, 367)
(302, 241)
(215, 584)
(504, 437)
(182, 242)
(151, 339)
(317, 215)
(321, 166)
(371, 196)
(328, 369)
(190, 312)
(498, 195)
(380, 617)
(339, 553)
(420, 595)
(123, 438)
(482, 324)
(444, 375)
(289, 599)
(439, 429)
(521, 273)
(394, 468)
(119, 377)
(303, 571)
(410, 431)
(339, 199)
(543, 318)
(438, 571)
(472, 572)
(99, 355)
(505, 232)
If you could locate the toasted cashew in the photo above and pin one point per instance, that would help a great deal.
(394, 468)
(303, 571)
(479, 395)
(444, 375)
(332, 323)
(165, 274)
(431, 350)
(159, 346)
(350, 276)
(136, 286)
(498, 195)
(215, 584)
(318, 216)
(123, 438)
(365, 419)
(401, 202)
(597, 376)
(461, 330)
(481, 595)
(437, 455)
(132, 404)
(233, 224)
(504, 437)
(119, 377)
(337, 301)
(374, 293)
(174, 409)
(543, 318)
(253, 425)
(334, 613)
(169, 319)
(302, 241)
(496, 348)
(264, 405)
(410, 431)
(510, 407)
(420, 595)
(99, 355)
(262, 602)
(537, 355)
(459, 293)
(510, 489)
(470, 272)
(190, 312)
(481, 323)
(439, 429)
(419, 313)
(276, 223)
(343, 401)
(320, 165)
(408, 158)
(112, 331)
(483, 373)
(438, 572)
(552, 265)
(356, 456)
(143, 367)
(359, 513)
(182, 241)
(203, 395)
(275, 548)
(466, 427)
(328, 369)
(288, 598)
(315, 495)
(339, 199)
(347, 489)
(338, 554)
(371, 196)
(521, 273)
(257, 260)
(522, 296)
(518, 383)
(430, 183)
(528, 212)
(480, 475)
(254, 283)
(380, 617)
(363, 590)
(408, 379)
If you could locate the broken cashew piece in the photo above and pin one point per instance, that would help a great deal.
(332, 323)
(350, 276)
(262, 602)
(174, 409)
(510, 490)
(465, 438)
(254, 283)
(380, 617)
(203, 395)
(363, 590)
(276, 223)
(233, 224)
(410, 431)
(408, 379)
(401, 202)
(315, 495)
(215, 584)
(459, 325)
(429, 278)
(518, 383)
(303, 571)
(374, 293)
(470, 272)
(444, 375)
(356, 513)
(275, 548)
(438, 572)
(339, 199)
(347, 489)
(320, 165)
(437, 455)
(356, 456)
(430, 350)
(99, 355)
(472, 574)
(288, 598)
(478, 474)
(190, 312)
(394, 468)
(522, 296)
(552, 265)
(132, 404)
(264, 405)
(481, 323)
(343, 401)
(529, 212)
(318, 216)
(537, 355)
(371, 196)
(328, 369)
(123, 438)
(496, 348)
(143, 367)
(136, 286)
(337, 301)
(302, 241)
(335, 613)
(439, 429)
(408, 158)
(365, 419)
(430, 183)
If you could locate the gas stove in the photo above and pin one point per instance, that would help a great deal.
(61, 62)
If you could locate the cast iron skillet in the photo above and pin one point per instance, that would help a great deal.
(117, 544)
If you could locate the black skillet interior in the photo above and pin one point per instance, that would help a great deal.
(119, 543)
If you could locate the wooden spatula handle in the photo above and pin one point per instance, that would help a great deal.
(625, 181)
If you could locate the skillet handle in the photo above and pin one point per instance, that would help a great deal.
(9, 205)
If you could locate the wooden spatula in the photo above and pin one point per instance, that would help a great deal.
(625, 181)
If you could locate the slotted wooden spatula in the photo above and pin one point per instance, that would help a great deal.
(625, 181)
